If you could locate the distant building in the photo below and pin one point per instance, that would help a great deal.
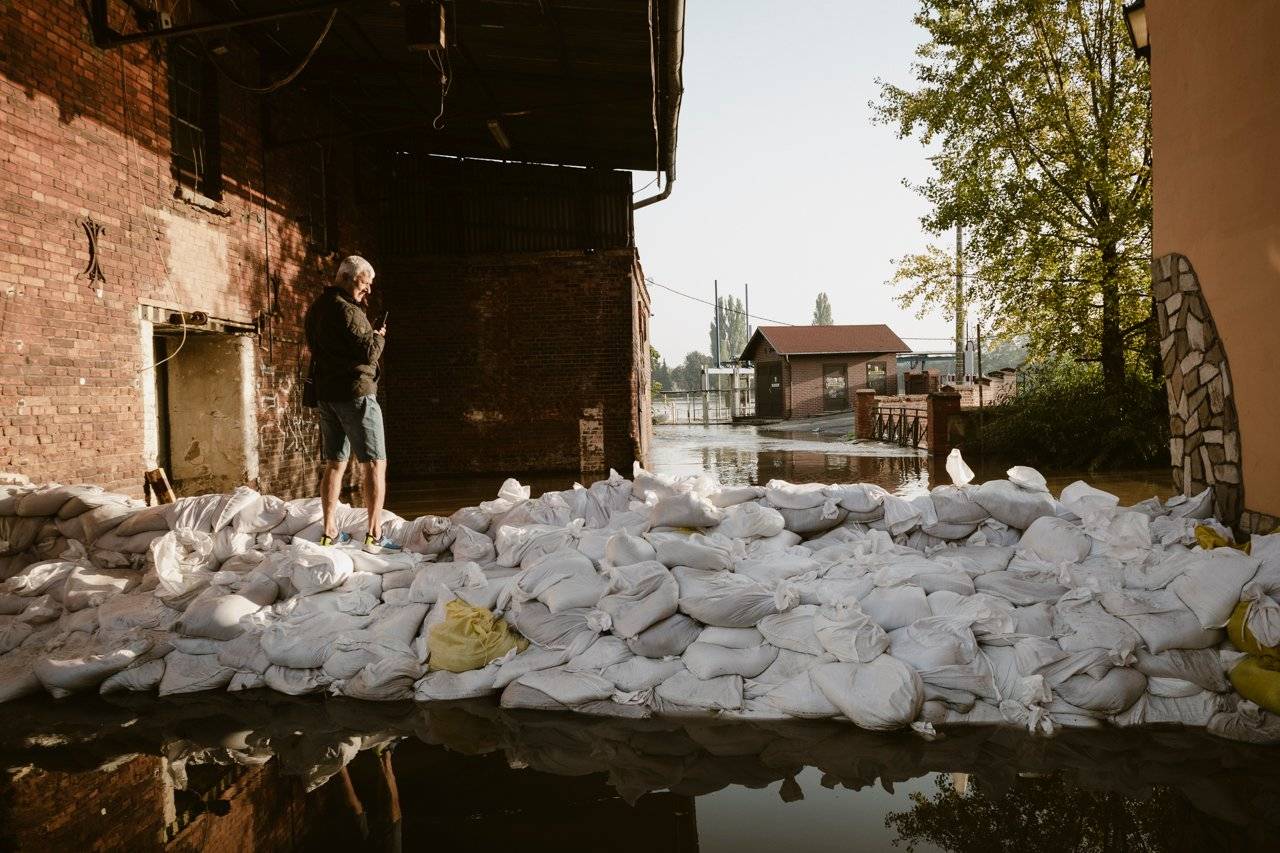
(802, 371)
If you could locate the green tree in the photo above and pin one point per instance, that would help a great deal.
(687, 376)
(659, 373)
(1040, 113)
(733, 328)
(822, 311)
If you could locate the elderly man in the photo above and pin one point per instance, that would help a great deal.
(345, 349)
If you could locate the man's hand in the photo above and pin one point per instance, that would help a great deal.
(381, 330)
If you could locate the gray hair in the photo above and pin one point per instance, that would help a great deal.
(351, 268)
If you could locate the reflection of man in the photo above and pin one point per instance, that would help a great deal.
(345, 350)
(380, 826)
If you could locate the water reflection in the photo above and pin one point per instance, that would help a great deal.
(254, 771)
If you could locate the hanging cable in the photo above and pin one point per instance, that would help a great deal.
(285, 80)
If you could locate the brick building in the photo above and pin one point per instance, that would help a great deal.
(803, 371)
(166, 223)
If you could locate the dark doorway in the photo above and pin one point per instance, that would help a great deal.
(769, 389)
(835, 388)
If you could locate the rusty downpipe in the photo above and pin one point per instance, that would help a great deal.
(669, 35)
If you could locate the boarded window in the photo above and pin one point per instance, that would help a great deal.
(193, 121)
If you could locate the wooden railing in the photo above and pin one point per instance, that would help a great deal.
(904, 425)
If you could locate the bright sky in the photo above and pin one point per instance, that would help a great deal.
(783, 181)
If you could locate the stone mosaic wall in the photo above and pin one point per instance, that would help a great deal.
(1204, 442)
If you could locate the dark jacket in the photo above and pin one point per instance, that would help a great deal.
(344, 347)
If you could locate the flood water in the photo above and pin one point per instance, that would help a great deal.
(265, 771)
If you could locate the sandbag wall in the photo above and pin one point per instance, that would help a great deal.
(990, 604)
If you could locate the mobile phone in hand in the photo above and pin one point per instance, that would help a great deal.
(382, 320)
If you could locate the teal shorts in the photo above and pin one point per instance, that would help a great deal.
(352, 424)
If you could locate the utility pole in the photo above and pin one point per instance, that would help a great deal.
(959, 305)
(746, 309)
(716, 354)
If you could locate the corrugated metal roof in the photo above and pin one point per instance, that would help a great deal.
(821, 340)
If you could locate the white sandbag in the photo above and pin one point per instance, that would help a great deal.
(750, 521)
(1247, 724)
(556, 689)
(522, 546)
(786, 495)
(430, 535)
(216, 614)
(729, 496)
(470, 546)
(388, 679)
(1021, 588)
(1172, 688)
(569, 629)
(530, 660)
(960, 473)
(185, 673)
(561, 580)
(1161, 618)
(896, 607)
(695, 552)
(900, 516)
(442, 685)
(847, 632)
(641, 673)
(1111, 694)
(1266, 549)
(792, 630)
(638, 597)
(708, 661)
(729, 600)
(976, 559)
(196, 645)
(304, 642)
(77, 674)
(1012, 505)
(39, 578)
(933, 642)
(431, 579)
(472, 517)
(1054, 540)
(881, 695)
(139, 678)
(1199, 506)
(604, 652)
(623, 549)
(684, 692)
(1027, 478)
(814, 520)
(184, 564)
(295, 682)
(863, 501)
(87, 586)
(929, 575)
(313, 568)
(685, 510)
(667, 638)
(1212, 583)
(147, 520)
(1080, 623)
(800, 696)
(987, 614)
(731, 638)
(773, 544)
(13, 633)
(1202, 667)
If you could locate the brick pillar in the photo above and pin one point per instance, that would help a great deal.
(864, 404)
(942, 405)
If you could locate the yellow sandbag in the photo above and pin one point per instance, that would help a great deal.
(468, 638)
(1256, 680)
(1242, 638)
(1208, 539)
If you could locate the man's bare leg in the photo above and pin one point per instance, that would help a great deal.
(330, 491)
(375, 489)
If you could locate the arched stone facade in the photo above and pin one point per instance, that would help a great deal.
(1204, 442)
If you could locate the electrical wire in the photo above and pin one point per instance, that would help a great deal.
(285, 80)
(729, 310)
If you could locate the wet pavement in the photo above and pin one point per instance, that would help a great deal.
(264, 771)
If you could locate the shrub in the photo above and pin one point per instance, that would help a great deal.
(1062, 418)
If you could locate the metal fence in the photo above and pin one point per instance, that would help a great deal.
(703, 407)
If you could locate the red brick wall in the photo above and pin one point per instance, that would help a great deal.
(515, 363)
(803, 380)
(84, 132)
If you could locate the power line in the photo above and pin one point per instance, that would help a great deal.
(766, 319)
